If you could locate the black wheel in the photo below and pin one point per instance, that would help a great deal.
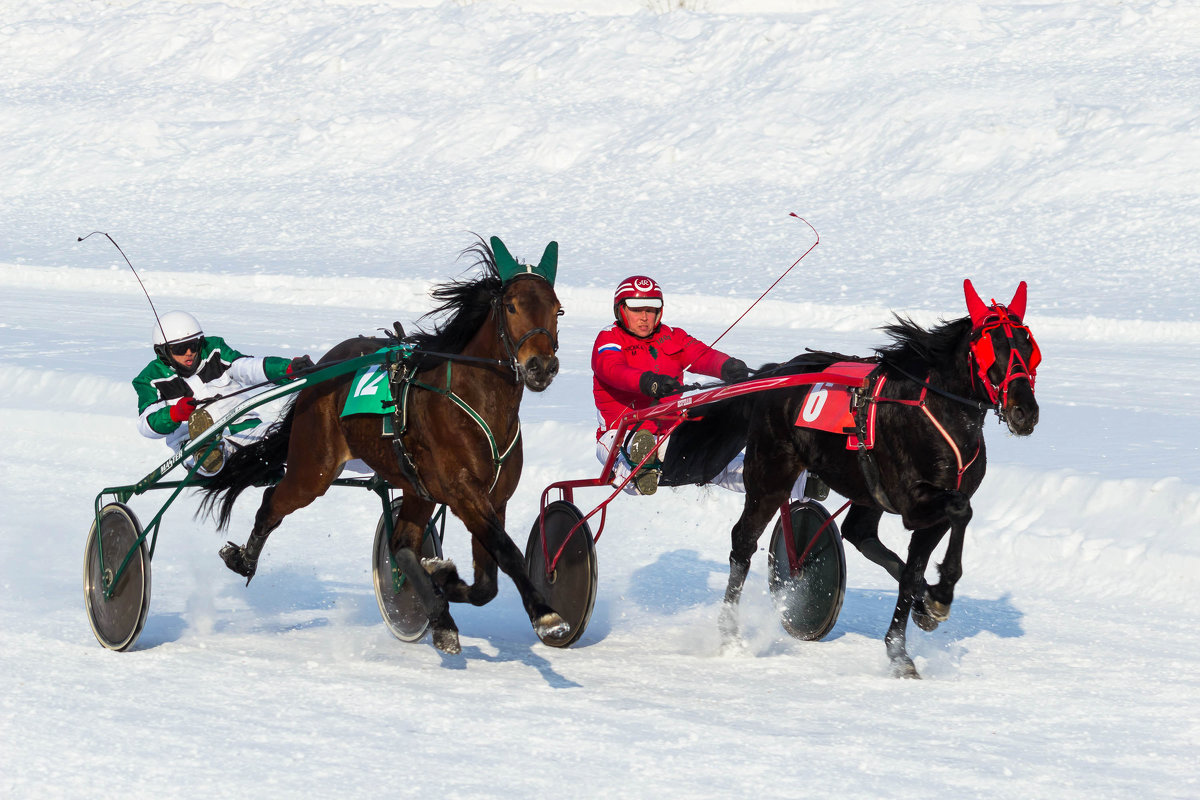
(117, 619)
(810, 600)
(402, 611)
(571, 588)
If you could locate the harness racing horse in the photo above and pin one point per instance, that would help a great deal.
(500, 338)
(915, 449)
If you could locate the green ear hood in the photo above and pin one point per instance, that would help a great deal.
(508, 268)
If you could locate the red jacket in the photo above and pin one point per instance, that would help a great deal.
(619, 358)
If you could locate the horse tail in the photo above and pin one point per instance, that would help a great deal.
(700, 449)
(248, 465)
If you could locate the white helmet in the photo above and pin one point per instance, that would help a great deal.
(172, 328)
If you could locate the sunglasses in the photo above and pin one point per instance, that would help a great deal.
(184, 347)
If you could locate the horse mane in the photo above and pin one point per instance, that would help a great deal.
(467, 301)
(916, 348)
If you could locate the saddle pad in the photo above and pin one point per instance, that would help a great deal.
(827, 405)
(370, 392)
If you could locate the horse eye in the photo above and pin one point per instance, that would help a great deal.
(512, 307)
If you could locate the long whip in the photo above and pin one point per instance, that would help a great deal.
(764, 294)
(153, 310)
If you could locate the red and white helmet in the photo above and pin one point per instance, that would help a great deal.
(637, 291)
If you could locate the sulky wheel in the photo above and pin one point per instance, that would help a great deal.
(117, 617)
(571, 588)
(809, 601)
(402, 611)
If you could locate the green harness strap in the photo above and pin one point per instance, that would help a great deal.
(401, 398)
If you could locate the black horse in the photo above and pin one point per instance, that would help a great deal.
(922, 411)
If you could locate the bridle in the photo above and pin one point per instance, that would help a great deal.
(511, 348)
(982, 355)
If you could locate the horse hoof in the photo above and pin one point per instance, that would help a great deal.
(442, 571)
(551, 626)
(435, 566)
(938, 611)
(446, 640)
(904, 668)
(924, 620)
(234, 557)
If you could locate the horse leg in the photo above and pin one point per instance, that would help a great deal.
(487, 528)
(479, 593)
(278, 501)
(912, 588)
(756, 513)
(771, 467)
(861, 529)
(406, 543)
(485, 587)
(933, 607)
(244, 559)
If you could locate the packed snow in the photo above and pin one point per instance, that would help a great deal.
(297, 173)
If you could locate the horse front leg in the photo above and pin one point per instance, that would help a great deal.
(487, 528)
(912, 589)
(933, 608)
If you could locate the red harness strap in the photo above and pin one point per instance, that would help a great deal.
(921, 404)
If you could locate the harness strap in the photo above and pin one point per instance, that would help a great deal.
(498, 456)
(921, 403)
(864, 411)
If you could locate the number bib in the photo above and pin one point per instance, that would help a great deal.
(827, 405)
(370, 392)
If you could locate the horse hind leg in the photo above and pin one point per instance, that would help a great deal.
(243, 559)
(278, 502)
(756, 513)
(444, 631)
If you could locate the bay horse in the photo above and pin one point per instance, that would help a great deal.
(929, 393)
(500, 338)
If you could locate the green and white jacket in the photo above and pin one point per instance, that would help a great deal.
(222, 370)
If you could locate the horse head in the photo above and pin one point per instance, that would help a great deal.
(528, 312)
(1004, 357)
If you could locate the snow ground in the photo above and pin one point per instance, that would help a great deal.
(297, 173)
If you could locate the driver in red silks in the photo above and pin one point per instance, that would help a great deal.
(636, 362)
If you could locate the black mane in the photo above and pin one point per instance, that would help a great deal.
(469, 302)
(916, 348)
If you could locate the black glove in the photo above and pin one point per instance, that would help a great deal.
(734, 371)
(659, 386)
(298, 365)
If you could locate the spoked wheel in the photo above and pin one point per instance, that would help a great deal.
(571, 588)
(402, 611)
(810, 600)
(117, 617)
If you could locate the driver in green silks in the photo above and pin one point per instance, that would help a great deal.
(190, 367)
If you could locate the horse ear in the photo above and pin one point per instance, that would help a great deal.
(1017, 306)
(506, 265)
(548, 266)
(975, 306)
